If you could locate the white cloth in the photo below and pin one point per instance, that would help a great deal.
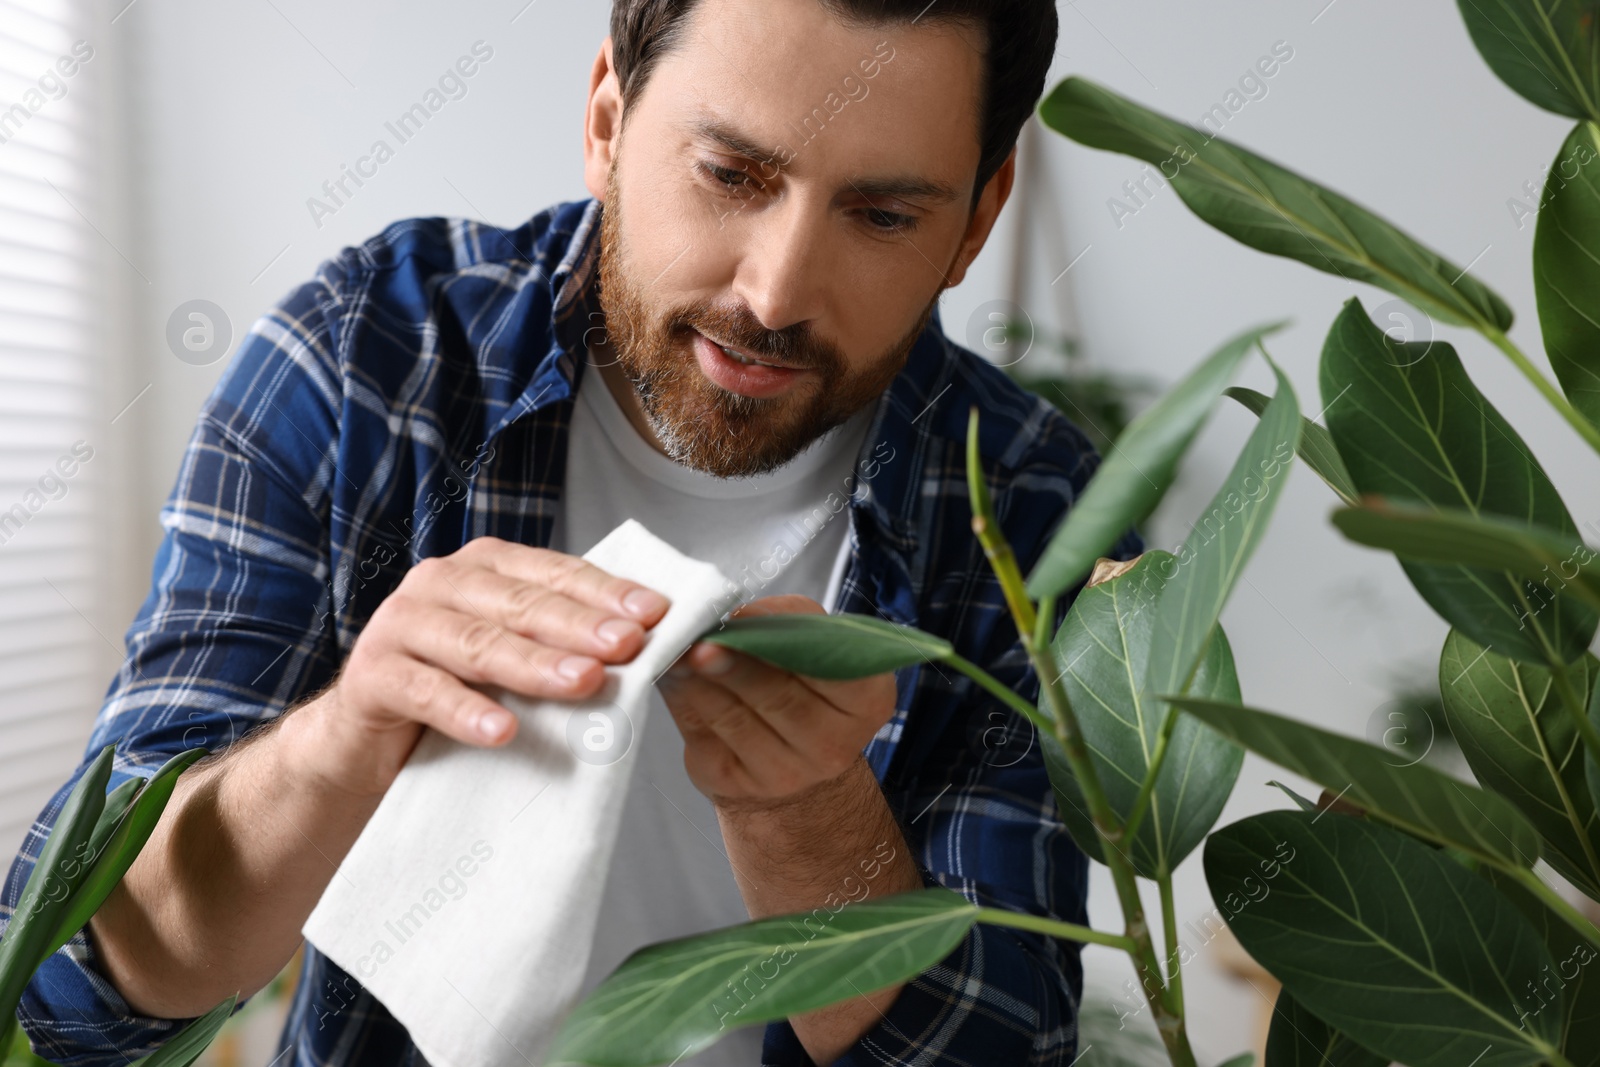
(774, 533)
(468, 904)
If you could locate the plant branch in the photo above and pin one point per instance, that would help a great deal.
(997, 688)
(1069, 931)
(1169, 927)
(1065, 730)
(1586, 429)
(1556, 903)
(1575, 707)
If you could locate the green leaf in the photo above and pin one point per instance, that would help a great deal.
(184, 1047)
(1272, 209)
(830, 646)
(1138, 470)
(1303, 803)
(1316, 447)
(1390, 941)
(1545, 50)
(1414, 796)
(61, 866)
(1521, 743)
(1220, 543)
(1102, 649)
(122, 846)
(1300, 1039)
(1572, 978)
(1410, 425)
(1243, 1059)
(671, 1000)
(1551, 562)
(1566, 269)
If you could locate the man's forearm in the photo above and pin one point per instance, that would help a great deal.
(836, 844)
(214, 903)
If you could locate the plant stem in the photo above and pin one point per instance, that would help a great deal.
(994, 686)
(1520, 360)
(1147, 788)
(1046, 618)
(1575, 706)
(1065, 730)
(1169, 926)
(1069, 931)
(1556, 903)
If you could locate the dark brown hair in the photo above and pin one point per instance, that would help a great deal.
(1020, 37)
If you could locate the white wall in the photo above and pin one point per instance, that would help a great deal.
(240, 112)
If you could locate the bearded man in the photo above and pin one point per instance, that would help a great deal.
(381, 512)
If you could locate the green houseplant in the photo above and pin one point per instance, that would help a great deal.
(1405, 921)
(94, 841)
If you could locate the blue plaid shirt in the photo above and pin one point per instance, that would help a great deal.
(417, 395)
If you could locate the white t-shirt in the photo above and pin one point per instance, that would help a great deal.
(783, 532)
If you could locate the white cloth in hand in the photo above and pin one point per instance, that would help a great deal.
(467, 906)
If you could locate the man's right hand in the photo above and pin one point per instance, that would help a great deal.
(493, 614)
(215, 902)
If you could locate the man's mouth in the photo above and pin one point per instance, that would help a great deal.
(742, 372)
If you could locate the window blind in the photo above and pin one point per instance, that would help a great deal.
(51, 654)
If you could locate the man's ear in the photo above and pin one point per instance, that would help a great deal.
(994, 197)
(602, 123)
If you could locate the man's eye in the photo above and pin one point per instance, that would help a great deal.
(889, 221)
(725, 176)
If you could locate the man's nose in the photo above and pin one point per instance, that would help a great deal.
(785, 266)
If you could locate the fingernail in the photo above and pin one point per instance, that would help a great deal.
(493, 724)
(719, 663)
(615, 631)
(573, 668)
(643, 603)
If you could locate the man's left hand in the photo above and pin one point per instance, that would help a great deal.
(755, 733)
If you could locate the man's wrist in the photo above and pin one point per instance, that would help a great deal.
(312, 747)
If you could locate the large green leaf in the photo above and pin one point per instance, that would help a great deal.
(1551, 562)
(1546, 50)
(122, 846)
(1410, 424)
(1572, 978)
(671, 1000)
(1300, 1039)
(1220, 543)
(1566, 268)
(830, 646)
(1102, 650)
(1316, 446)
(1273, 209)
(1521, 743)
(184, 1047)
(61, 866)
(1413, 796)
(1138, 470)
(1388, 940)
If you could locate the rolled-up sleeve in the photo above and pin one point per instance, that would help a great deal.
(232, 632)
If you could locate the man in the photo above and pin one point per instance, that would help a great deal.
(381, 510)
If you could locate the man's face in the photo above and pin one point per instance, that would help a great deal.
(799, 191)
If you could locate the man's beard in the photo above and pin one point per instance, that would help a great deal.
(697, 422)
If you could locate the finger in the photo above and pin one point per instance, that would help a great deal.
(803, 718)
(737, 725)
(433, 697)
(854, 697)
(474, 649)
(576, 578)
(539, 612)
